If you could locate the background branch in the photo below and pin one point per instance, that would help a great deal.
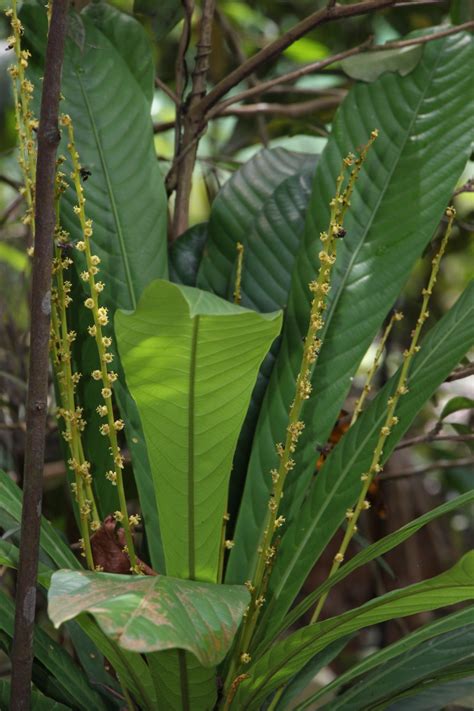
(441, 464)
(36, 408)
(433, 437)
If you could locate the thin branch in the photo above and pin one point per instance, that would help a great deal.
(314, 67)
(468, 187)
(192, 129)
(159, 84)
(290, 110)
(11, 209)
(278, 46)
(462, 372)
(432, 437)
(441, 464)
(36, 408)
(15, 184)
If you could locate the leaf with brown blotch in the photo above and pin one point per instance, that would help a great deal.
(153, 613)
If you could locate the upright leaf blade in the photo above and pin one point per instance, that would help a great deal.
(191, 360)
(407, 181)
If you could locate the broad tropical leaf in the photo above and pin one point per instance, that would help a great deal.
(191, 360)
(399, 199)
(287, 657)
(426, 643)
(163, 14)
(370, 65)
(152, 613)
(338, 484)
(261, 209)
(452, 688)
(108, 87)
(39, 702)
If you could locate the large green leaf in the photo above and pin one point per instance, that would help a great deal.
(271, 625)
(185, 255)
(337, 485)
(191, 360)
(420, 655)
(69, 678)
(370, 65)
(288, 656)
(262, 206)
(163, 14)
(407, 181)
(392, 655)
(152, 613)
(108, 87)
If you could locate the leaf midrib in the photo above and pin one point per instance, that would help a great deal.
(191, 452)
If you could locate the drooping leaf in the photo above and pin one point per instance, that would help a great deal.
(288, 656)
(424, 660)
(432, 631)
(191, 360)
(456, 404)
(370, 65)
(152, 613)
(69, 678)
(181, 682)
(337, 485)
(270, 621)
(399, 198)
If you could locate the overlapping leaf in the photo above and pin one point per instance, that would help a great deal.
(400, 196)
(152, 613)
(288, 656)
(337, 485)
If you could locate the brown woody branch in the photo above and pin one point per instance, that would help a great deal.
(441, 464)
(460, 373)
(432, 437)
(36, 407)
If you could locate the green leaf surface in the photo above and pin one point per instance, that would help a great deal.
(69, 678)
(181, 682)
(39, 702)
(152, 613)
(432, 631)
(288, 656)
(370, 65)
(456, 404)
(416, 662)
(132, 669)
(185, 253)
(191, 360)
(437, 696)
(399, 198)
(250, 209)
(163, 14)
(270, 621)
(108, 87)
(337, 485)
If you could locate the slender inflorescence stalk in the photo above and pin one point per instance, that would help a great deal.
(107, 377)
(238, 273)
(397, 316)
(26, 123)
(391, 420)
(312, 343)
